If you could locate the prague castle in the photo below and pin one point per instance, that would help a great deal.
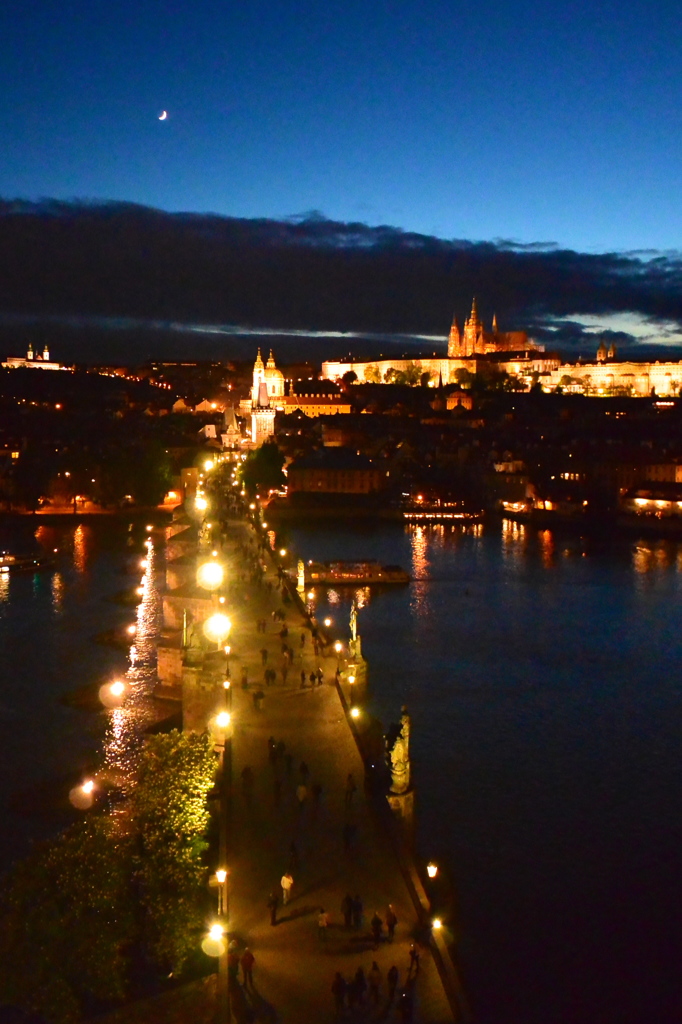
(472, 348)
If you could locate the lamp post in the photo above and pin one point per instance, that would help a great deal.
(217, 628)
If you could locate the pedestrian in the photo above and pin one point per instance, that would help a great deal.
(287, 883)
(391, 922)
(357, 912)
(245, 679)
(414, 959)
(248, 960)
(360, 985)
(320, 677)
(301, 795)
(258, 696)
(232, 962)
(273, 903)
(392, 978)
(303, 682)
(376, 925)
(264, 654)
(339, 991)
(347, 909)
(322, 924)
(302, 639)
(374, 980)
(312, 677)
(350, 789)
(304, 771)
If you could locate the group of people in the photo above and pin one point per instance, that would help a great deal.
(366, 989)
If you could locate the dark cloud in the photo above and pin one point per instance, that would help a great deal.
(307, 272)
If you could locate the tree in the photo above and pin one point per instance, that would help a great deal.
(263, 467)
(349, 377)
(66, 920)
(391, 375)
(464, 377)
(372, 374)
(169, 808)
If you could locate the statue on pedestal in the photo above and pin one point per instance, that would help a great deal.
(398, 753)
(354, 621)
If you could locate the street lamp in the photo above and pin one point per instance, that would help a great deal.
(217, 628)
(201, 503)
(436, 924)
(355, 712)
(431, 869)
(214, 944)
(210, 575)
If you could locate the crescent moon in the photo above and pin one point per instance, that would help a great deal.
(163, 115)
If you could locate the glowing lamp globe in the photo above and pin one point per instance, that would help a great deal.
(210, 575)
(223, 719)
(201, 503)
(208, 465)
(432, 870)
(217, 627)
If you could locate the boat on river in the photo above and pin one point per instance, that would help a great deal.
(33, 563)
(365, 573)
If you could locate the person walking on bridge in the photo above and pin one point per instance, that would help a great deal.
(248, 960)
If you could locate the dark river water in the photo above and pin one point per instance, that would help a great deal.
(543, 677)
(542, 674)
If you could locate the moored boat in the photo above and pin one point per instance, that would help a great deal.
(364, 572)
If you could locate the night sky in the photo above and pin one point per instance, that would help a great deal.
(536, 120)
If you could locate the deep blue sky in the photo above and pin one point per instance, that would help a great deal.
(532, 120)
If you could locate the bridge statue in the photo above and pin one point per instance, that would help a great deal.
(398, 754)
(354, 621)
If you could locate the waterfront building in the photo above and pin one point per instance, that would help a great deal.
(334, 471)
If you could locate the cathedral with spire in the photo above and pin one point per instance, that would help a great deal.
(474, 340)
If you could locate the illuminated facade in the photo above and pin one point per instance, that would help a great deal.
(33, 361)
(473, 349)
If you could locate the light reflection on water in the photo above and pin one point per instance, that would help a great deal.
(123, 735)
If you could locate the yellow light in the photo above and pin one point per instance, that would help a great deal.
(264, 525)
(327, 623)
(214, 554)
(311, 595)
(223, 719)
(432, 870)
(351, 679)
(222, 600)
(210, 575)
(143, 563)
(208, 465)
(226, 684)
(282, 552)
(437, 923)
(338, 646)
(221, 875)
(132, 630)
(149, 529)
(252, 506)
(139, 590)
(117, 688)
(355, 712)
(88, 786)
(201, 503)
(217, 627)
(216, 932)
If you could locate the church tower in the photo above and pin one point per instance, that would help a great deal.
(258, 377)
(454, 340)
(473, 342)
